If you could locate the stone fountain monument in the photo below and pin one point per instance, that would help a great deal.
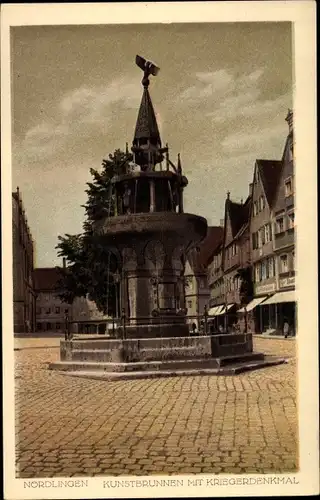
(149, 234)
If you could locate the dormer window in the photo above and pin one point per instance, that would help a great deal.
(288, 187)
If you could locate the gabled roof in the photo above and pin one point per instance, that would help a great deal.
(238, 214)
(270, 173)
(146, 127)
(46, 278)
(199, 260)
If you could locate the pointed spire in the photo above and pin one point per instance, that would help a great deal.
(228, 195)
(146, 126)
(179, 167)
(146, 142)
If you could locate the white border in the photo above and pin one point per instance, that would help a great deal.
(302, 14)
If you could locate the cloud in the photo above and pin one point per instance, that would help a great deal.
(80, 113)
(219, 84)
(248, 105)
(260, 142)
(228, 96)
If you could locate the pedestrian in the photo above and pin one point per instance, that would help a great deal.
(286, 328)
(194, 329)
(220, 329)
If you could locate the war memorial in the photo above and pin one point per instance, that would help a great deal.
(150, 234)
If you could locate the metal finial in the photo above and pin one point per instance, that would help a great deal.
(228, 195)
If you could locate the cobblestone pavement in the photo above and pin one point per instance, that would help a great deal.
(204, 424)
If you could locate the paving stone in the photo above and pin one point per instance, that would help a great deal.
(175, 425)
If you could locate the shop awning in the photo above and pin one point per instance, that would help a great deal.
(223, 309)
(214, 311)
(254, 303)
(281, 297)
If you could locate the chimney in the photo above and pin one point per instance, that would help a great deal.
(289, 120)
(250, 188)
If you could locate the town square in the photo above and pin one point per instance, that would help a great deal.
(71, 426)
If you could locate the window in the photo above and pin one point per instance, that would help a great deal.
(279, 225)
(237, 283)
(283, 263)
(261, 203)
(291, 220)
(57, 310)
(262, 236)
(48, 310)
(257, 272)
(268, 233)
(271, 267)
(293, 261)
(254, 241)
(58, 326)
(66, 311)
(288, 187)
(189, 304)
(263, 270)
(255, 208)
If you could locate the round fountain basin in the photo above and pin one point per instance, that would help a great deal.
(189, 226)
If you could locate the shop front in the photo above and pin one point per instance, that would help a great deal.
(283, 303)
(263, 317)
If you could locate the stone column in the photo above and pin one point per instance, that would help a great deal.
(152, 196)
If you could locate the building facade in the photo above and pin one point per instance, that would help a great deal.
(197, 290)
(265, 181)
(51, 311)
(284, 301)
(228, 265)
(23, 254)
(252, 271)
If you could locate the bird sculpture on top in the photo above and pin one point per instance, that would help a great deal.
(148, 68)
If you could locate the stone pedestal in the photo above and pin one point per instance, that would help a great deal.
(149, 357)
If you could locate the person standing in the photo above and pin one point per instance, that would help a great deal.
(286, 328)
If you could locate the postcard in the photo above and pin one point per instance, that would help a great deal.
(159, 201)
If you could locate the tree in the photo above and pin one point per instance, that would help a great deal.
(89, 263)
(246, 290)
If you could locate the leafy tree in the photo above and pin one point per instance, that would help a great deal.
(89, 263)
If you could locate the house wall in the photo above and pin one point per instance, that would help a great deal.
(51, 311)
(284, 232)
(22, 253)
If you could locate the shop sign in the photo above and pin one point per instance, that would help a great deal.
(285, 282)
(261, 289)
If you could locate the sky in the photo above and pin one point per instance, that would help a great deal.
(221, 99)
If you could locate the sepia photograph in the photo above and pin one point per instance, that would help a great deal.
(155, 310)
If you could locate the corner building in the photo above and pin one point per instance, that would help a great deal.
(23, 257)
